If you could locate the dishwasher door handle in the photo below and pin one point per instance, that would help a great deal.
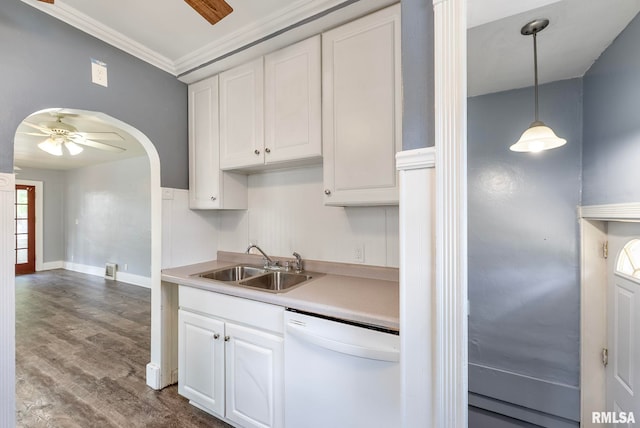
(382, 354)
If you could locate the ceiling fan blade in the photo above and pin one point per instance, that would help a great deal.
(107, 136)
(211, 10)
(34, 133)
(47, 1)
(97, 145)
(38, 127)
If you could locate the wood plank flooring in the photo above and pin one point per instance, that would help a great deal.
(82, 345)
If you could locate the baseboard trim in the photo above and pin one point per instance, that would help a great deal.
(153, 376)
(51, 265)
(524, 397)
(140, 281)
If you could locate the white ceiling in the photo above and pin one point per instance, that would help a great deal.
(173, 37)
(500, 58)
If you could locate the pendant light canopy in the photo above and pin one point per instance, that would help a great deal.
(538, 136)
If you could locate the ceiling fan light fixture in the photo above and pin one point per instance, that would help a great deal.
(73, 148)
(538, 136)
(52, 147)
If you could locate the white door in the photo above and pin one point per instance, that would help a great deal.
(623, 320)
(201, 360)
(254, 361)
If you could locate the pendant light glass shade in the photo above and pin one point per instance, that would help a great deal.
(536, 138)
(51, 147)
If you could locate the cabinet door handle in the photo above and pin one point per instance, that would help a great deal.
(256, 151)
(226, 338)
(213, 198)
(216, 336)
(327, 192)
(268, 150)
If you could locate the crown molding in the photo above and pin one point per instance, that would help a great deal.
(85, 23)
(278, 21)
(298, 11)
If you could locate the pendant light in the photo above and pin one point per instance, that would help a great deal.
(538, 136)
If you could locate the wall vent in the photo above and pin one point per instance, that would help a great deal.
(110, 270)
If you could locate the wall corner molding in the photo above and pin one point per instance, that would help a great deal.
(7, 302)
(450, 389)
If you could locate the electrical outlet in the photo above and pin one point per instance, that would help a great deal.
(99, 72)
(358, 253)
(126, 267)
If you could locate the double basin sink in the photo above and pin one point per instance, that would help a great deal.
(272, 280)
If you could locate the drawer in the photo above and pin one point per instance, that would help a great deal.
(257, 314)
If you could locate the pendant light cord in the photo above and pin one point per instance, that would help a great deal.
(535, 68)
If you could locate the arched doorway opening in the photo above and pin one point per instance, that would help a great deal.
(155, 368)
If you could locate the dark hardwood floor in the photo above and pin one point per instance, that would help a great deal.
(82, 345)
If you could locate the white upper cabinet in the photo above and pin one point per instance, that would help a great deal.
(209, 188)
(362, 110)
(293, 103)
(242, 116)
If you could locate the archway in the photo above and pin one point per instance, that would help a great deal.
(158, 370)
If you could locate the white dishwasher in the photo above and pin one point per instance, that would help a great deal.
(340, 374)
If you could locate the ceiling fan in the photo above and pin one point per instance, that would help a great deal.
(211, 10)
(61, 134)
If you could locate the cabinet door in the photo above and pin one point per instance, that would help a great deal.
(204, 179)
(201, 360)
(362, 110)
(241, 116)
(293, 102)
(254, 374)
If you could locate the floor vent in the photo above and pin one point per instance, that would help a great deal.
(110, 270)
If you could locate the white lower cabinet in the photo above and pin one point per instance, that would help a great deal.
(201, 360)
(228, 364)
(254, 379)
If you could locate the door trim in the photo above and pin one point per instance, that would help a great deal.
(39, 221)
(593, 300)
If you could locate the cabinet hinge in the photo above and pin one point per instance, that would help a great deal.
(605, 249)
(605, 357)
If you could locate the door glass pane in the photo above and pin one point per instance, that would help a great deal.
(22, 241)
(22, 226)
(21, 196)
(22, 211)
(22, 256)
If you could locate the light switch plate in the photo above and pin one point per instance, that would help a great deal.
(99, 72)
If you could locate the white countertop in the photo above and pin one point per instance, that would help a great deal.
(364, 300)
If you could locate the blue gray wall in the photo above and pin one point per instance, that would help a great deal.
(612, 122)
(417, 74)
(524, 291)
(108, 215)
(46, 63)
(53, 188)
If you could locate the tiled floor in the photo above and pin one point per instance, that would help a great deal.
(82, 344)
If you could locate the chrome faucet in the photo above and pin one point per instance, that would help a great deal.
(298, 261)
(268, 262)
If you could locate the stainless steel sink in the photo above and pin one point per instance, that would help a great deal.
(234, 273)
(275, 281)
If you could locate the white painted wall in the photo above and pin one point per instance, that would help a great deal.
(286, 214)
(188, 236)
(108, 216)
